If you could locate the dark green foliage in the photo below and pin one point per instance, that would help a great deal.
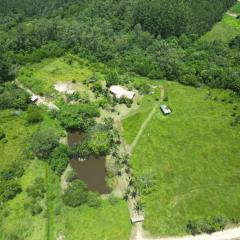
(43, 142)
(125, 34)
(170, 17)
(5, 71)
(13, 97)
(124, 100)
(76, 194)
(94, 200)
(34, 114)
(13, 171)
(142, 87)
(98, 140)
(77, 117)
(8, 190)
(112, 79)
(2, 134)
(59, 159)
(207, 225)
(235, 43)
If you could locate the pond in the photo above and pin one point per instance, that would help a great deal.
(92, 171)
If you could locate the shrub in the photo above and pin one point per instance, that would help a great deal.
(34, 115)
(207, 225)
(8, 190)
(36, 209)
(15, 170)
(59, 159)
(76, 194)
(43, 142)
(94, 200)
(12, 97)
(112, 79)
(71, 175)
(112, 199)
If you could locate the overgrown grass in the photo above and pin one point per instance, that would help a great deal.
(225, 30)
(16, 221)
(41, 77)
(194, 156)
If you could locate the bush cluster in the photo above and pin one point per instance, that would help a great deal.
(207, 225)
(77, 194)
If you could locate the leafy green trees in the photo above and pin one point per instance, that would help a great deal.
(77, 117)
(43, 142)
(98, 140)
(59, 159)
(76, 194)
(5, 72)
(13, 97)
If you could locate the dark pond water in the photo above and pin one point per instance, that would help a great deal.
(92, 171)
(74, 138)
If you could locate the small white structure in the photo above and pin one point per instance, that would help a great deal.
(120, 92)
(64, 88)
(34, 98)
(138, 218)
(165, 109)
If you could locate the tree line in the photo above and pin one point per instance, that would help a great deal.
(160, 40)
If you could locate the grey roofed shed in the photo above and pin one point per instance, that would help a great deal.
(165, 109)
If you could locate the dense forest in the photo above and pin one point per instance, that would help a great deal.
(158, 39)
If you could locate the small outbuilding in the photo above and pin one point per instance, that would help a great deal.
(34, 98)
(165, 109)
(120, 92)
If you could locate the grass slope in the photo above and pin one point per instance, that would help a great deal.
(194, 155)
(225, 30)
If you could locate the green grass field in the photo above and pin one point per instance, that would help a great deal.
(225, 30)
(194, 156)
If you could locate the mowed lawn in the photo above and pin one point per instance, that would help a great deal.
(225, 30)
(194, 156)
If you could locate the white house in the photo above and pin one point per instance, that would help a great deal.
(120, 92)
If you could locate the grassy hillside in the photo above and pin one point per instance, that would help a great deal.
(224, 30)
(191, 156)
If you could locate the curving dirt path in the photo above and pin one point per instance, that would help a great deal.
(145, 123)
(232, 14)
